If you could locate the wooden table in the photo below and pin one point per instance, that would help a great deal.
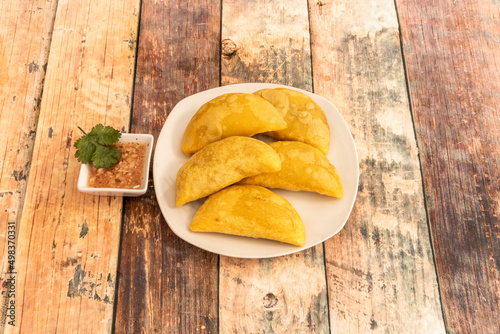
(417, 82)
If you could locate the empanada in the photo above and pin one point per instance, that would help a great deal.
(303, 167)
(233, 114)
(306, 121)
(221, 164)
(277, 98)
(250, 211)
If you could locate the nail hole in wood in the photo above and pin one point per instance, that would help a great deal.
(229, 48)
(269, 300)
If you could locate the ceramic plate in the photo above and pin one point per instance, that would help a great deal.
(323, 216)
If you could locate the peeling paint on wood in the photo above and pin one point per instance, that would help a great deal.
(269, 42)
(55, 215)
(166, 284)
(20, 44)
(266, 41)
(84, 285)
(380, 268)
(455, 88)
(274, 295)
(85, 230)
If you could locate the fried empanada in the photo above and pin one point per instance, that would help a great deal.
(306, 121)
(250, 211)
(221, 164)
(232, 114)
(277, 98)
(303, 167)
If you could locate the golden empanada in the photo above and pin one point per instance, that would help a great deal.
(233, 114)
(250, 211)
(305, 120)
(277, 98)
(221, 164)
(303, 167)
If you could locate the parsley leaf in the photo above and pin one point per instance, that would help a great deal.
(95, 146)
(105, 135)
(85, 149)
(105, 156)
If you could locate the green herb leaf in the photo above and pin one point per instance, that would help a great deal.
(105, 156)
(95, 146)
(85, 149)
(105, 135)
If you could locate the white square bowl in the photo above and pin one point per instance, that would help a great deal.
(126, 138)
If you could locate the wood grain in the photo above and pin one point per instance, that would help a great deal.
(25, 35)
(68, 241)
(380, 268)
(453, 64)
(268, 41)
(166, 284)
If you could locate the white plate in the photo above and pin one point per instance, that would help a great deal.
(323, 216)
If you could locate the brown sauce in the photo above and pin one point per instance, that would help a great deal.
(126, 173)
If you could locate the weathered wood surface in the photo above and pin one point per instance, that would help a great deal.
(167, 285)
(377, 275)
(380, 269)
(267, 41)
(453, 64)
(68, 242)
(24, 49)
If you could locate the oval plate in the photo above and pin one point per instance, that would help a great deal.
(323, 216)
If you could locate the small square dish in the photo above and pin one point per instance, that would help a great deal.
(137, 190)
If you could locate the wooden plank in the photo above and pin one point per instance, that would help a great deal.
(268, 41)
(380, 270)
(453, 63)
(24, 47)
(166, 284)
(68, 242)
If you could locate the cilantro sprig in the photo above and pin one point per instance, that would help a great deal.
(95, 146)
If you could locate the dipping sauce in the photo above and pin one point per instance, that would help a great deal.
(126, 173)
